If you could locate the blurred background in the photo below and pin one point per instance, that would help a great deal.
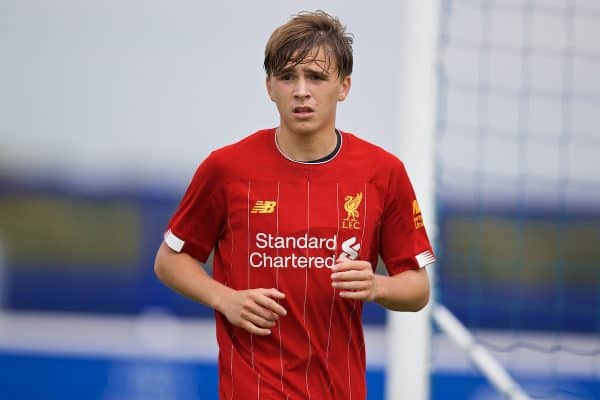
(106, 109)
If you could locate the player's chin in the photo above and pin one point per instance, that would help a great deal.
(305, 127)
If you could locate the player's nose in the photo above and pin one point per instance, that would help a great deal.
(301, 88)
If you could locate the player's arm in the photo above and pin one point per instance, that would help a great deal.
(254, 310)
(406, 291)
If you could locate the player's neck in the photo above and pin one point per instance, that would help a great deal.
(306, 147)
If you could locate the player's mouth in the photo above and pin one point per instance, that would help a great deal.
(303, 112)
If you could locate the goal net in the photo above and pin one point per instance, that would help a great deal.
(518, 188)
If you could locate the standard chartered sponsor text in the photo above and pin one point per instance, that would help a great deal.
(259, 259)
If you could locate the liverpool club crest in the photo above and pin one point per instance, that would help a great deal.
(351, 206)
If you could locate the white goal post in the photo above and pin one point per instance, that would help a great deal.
(408, 334)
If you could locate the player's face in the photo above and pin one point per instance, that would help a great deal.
(306, 94)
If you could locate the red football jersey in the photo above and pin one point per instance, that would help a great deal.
(276, 223)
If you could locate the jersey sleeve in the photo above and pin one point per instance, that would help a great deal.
(197, 223)
(404, 243)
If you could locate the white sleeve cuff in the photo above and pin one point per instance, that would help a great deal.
(425, 258)
(173, 241)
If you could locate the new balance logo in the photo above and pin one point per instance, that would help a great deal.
(350, 249)
(263, 207)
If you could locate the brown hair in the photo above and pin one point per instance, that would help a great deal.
(297, 39)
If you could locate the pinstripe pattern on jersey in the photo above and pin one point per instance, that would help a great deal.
(362, 247)
(277, 286)
(306, 288)
(233, 337)
(337, 207)
(248, 268)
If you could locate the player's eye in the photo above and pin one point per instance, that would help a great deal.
(286, 77)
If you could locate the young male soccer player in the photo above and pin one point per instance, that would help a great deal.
(297, 216)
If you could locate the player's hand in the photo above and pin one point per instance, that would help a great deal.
(255, 310)
(354, 279)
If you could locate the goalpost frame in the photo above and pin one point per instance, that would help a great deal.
(408, 334)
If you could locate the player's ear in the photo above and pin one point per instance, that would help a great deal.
(345, 85)
(268, 83)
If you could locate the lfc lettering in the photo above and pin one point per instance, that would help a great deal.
(348, 224)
